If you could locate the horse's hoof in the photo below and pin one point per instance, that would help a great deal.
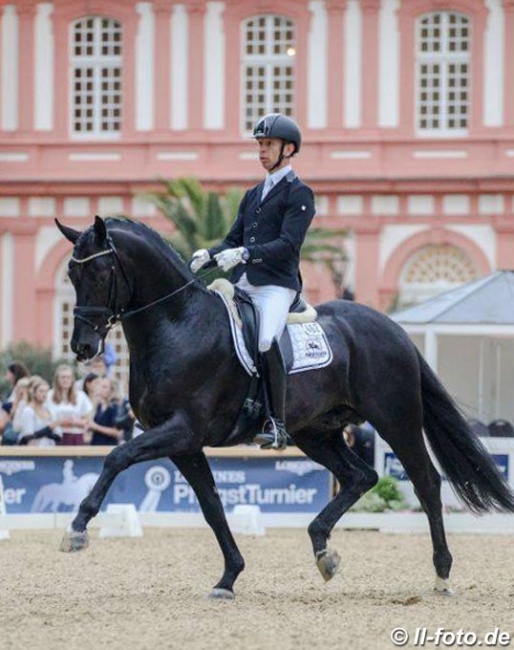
(443, 587)
(74, 541)
(328, 563)
(221, 594)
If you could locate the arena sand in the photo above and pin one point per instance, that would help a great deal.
(148, 593)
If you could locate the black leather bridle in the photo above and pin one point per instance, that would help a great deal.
(113, 312)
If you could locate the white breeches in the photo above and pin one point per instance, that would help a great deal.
(273, 303)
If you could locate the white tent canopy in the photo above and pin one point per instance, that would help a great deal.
(467, 336)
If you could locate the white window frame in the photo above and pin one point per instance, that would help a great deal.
(444, 58)
(268, 61)
(98, 62)
(417, 291)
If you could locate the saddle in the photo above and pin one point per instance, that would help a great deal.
(246, 316)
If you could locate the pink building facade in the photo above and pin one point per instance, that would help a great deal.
(407, 110)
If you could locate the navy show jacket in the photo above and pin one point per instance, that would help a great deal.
(273, 231)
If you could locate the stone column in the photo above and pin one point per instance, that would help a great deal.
(162, 9)
(196, 14)
(26, 14)
(336, 10)
(370, 48)
(508, 79)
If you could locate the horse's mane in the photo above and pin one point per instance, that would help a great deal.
(147, 233)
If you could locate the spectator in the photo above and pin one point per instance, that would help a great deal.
(126, 420)
(103, 425)
(69, 408)
(15, 371)
(11, 412)
(35, 421)
(90, 384)
(361, 440)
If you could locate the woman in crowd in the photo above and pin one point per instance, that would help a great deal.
(70, 409)
(103, 425)
(35, 422)
(11, 417)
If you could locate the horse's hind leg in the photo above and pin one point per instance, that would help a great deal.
(355, 478)
(412, 453)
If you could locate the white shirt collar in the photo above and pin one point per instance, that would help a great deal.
(277, 176)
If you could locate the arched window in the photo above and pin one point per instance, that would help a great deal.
(443, 61)
(65, 303)
(268, 68)
(433, 270)
(96, 76)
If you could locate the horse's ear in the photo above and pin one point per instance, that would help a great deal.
(100, 228)
(70, 234)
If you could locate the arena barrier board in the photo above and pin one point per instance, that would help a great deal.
(283, 485)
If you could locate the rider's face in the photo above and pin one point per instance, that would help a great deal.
(269, 151)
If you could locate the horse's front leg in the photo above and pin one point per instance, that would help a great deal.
(197, 472)
(170, 438)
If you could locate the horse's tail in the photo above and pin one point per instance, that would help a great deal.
(463, 458)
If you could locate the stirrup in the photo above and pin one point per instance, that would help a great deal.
(273, 435)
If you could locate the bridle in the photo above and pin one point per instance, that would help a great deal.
(113, 312)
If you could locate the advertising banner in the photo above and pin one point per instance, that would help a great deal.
(387, 464)
(58, 484)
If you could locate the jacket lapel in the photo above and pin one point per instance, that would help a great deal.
(279, 187)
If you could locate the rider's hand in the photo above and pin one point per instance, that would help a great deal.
(231, 257)
(199, 259)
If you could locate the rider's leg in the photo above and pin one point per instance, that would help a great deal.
(273, 303)
(274, 434)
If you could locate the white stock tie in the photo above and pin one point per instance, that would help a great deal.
(268, 184)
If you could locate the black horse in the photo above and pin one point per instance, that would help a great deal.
(187, 388)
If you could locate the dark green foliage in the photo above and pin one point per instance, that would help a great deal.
(387, 489)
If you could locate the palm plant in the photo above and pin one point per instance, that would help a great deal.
(202, 219)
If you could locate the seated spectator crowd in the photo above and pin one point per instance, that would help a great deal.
(86, 411)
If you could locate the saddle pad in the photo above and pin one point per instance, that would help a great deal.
(311, 348)
(309, 344)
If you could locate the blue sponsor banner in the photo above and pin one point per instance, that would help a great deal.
(393, 467)
(58, 484)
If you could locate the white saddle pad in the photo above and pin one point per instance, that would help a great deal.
(310, 345)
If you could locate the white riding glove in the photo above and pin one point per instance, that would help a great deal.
(231, 257)
(199, 259)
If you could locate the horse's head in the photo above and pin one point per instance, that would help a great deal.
(94, 270)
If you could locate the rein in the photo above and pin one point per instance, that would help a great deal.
(113, 312)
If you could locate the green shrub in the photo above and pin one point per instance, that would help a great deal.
(386, 495)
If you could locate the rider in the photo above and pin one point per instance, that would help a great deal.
(264, 247)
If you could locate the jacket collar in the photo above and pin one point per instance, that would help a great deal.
(279, 187)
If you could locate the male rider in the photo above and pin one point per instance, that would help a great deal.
(263, 249)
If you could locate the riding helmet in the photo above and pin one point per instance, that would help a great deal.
(276, 125)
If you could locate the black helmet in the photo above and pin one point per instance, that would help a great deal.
(276, 125)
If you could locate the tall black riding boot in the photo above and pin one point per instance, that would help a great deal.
(274, 434)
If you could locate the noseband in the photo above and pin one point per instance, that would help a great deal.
(113, 312)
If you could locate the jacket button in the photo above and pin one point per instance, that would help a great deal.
(252, 239)
(257, 211)
(254, 224)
